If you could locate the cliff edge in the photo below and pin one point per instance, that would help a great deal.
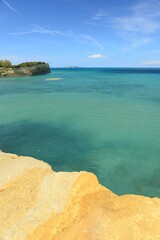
(38, 203)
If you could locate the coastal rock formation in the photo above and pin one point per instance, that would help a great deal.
(37, 203)
(23, 69)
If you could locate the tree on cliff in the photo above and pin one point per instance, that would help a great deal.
(5, 63)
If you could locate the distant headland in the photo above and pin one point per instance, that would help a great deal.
(23, 69)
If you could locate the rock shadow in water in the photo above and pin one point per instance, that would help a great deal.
(59, 145)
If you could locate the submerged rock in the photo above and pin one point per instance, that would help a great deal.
(53, 79)
(38, 203)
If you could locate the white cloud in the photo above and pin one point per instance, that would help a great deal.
(80, 38)
(42, 30)
(152, 62)
(39, 29)
(141, 42)
(99, 15)
(20, 33)
(97, 56)
(136, 43)
(11, 8)
(142, 18)
(87, 39)
(137, 25)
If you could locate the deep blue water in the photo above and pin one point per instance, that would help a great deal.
(103, 120)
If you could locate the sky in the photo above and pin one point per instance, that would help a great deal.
(85, 33)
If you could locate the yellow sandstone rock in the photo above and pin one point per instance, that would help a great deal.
(37, 203)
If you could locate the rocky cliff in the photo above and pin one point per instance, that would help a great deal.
(24, 69)
(38, 203)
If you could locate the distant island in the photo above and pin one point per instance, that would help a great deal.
(23, 69)
(72, 67)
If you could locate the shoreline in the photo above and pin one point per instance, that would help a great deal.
(70, 205)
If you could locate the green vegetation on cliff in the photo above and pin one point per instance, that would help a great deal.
(23, 69)
(5, 63)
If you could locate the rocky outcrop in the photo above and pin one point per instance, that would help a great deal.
(25, 69)
(38, 203)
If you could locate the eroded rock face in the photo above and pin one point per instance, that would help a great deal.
(38, 203)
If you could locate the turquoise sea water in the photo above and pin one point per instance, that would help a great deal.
(106, 121)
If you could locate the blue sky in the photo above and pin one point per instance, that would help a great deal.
(87, 33)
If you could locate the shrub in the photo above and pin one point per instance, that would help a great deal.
(5, 63)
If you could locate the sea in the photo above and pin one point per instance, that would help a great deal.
(102, 120)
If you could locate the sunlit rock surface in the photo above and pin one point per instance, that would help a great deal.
(38, 203)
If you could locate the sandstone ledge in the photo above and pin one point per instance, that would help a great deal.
(38, 203)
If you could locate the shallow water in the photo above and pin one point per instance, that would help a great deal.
(106, 121)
